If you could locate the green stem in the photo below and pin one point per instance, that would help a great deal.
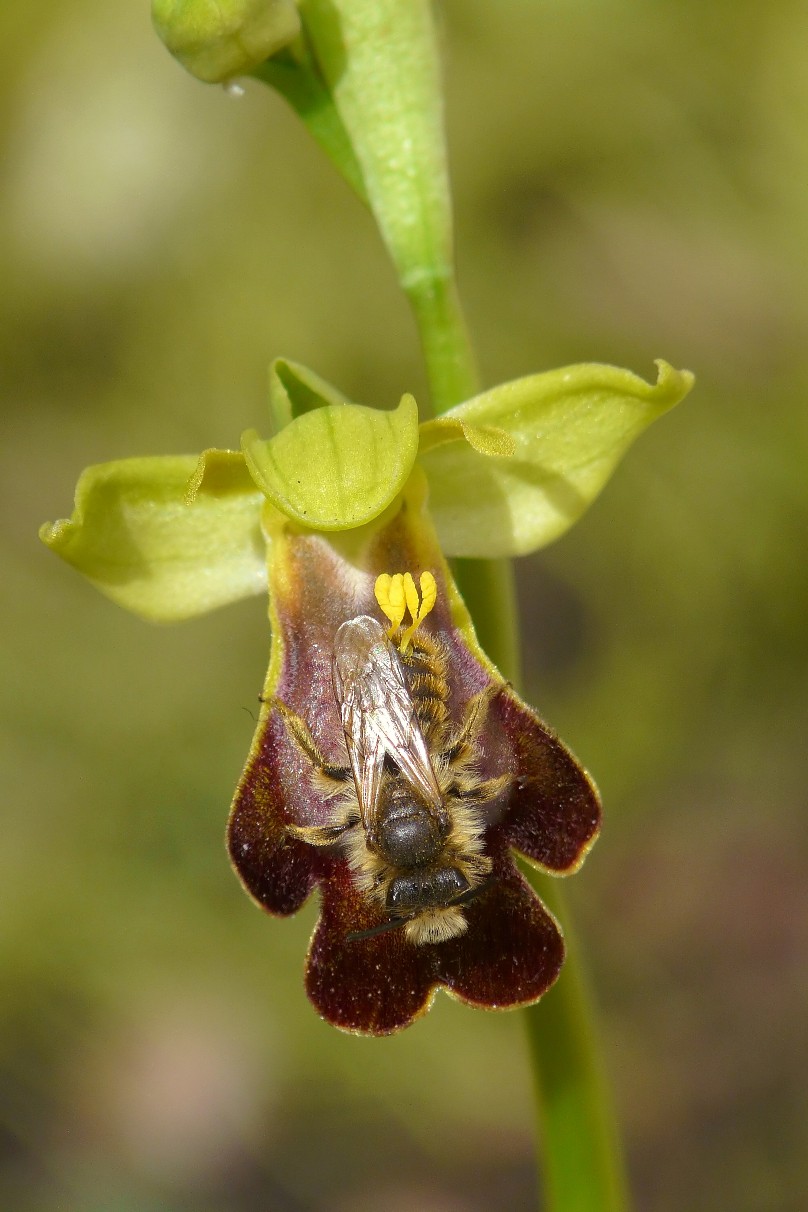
(444, 339)
(582, 1166)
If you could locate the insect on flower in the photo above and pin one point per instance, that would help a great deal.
(406, 808)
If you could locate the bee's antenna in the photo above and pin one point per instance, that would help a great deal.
(473, 893)
(356, 936)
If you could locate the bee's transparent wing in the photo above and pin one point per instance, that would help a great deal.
(378, 714)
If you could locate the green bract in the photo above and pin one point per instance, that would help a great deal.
(365, 78)
(378, 61)
(507, 472)
(216, 40)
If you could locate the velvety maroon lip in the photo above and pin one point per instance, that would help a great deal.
(549, 811)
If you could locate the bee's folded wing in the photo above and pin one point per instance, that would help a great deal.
(378, 715)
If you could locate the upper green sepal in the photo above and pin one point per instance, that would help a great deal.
(294, 389)
(216, 40)
(570, 428)
(167, 538)
(337, 466)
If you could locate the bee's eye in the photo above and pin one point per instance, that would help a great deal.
(448, 884)
(407, 893)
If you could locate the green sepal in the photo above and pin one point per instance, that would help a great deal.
(216, 40)
(338, 466)
(570, 427)
(135, 535)
(294, 389)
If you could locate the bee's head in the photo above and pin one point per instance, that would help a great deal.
(425, 890)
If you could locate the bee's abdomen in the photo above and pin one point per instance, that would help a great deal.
(426, 678)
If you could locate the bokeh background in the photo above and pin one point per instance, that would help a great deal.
(631, 181)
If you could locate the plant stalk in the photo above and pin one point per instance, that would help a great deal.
(447, 350)
(581, 1166)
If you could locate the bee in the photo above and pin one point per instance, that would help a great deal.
(406, 810)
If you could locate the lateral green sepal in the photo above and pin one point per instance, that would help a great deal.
(570, 428)
(135, 535)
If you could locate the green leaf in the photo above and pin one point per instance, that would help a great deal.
(336, 467)
(135, 535)
(294, 389)
(216, 40)
(570, 427)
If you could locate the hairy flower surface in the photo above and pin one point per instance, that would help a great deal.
(361, 975)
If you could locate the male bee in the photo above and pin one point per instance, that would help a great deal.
(406, 808)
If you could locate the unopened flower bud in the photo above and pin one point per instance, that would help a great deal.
(216, 40)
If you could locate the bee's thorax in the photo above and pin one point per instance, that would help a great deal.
(407, 834)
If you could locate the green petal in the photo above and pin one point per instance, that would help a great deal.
(485, 439)
(294, 389)
(167, 538)
(218, 473)
(570, 427)
(336, 467)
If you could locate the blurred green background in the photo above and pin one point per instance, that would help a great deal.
(631, 181)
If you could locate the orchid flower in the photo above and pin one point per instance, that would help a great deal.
(340, 496)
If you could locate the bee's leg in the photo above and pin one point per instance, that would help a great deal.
(300, 731)
(471, 792)
(472, 722)
(323, 835)
(318, 835)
